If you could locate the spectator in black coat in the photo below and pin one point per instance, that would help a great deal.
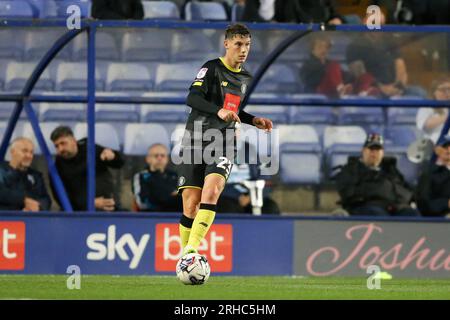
(71, 163)
(155, 187)
(307, 11)
(117, 9)
(372, 185)
(433, 190)
(22, 188)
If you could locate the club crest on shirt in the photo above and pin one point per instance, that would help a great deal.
(31, 179)
(244, 88)
(201, 74)
(181, 181)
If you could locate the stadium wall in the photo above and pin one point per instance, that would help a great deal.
(148, 244)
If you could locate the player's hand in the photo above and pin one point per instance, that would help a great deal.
(104, 204)
(107, 155)
(30, 205)
(263, 123)
(228, 115)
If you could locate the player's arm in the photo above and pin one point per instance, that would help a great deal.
(259, 122)
(199, 91)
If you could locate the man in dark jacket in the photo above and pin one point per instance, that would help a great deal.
(22, 188)
(372, 185)
(155, 187)
(71, 163)
(307, 11)
(433, 190)
(117, 9)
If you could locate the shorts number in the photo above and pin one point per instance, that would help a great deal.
(225, 164)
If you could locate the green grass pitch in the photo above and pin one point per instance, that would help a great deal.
(217, 288)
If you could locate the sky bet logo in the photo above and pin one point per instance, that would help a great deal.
(109, 246)
(12, 245)
(217, 246)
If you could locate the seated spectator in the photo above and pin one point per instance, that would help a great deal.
(71, 163)
(259, 11)
(321, 75)
(117, 9)
(307, 11)
(433, 190)
(431, 120)
(377, 67)
(155, 187)
(235, 197)
(372, 185)
(416, 12)
(22, 188)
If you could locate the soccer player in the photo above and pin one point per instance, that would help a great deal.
(215, 97)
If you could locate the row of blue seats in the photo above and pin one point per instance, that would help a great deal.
(306, 155)
(364, 116)
(161, 45)
(45, 9)
(131, 77)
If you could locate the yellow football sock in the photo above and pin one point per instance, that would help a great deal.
(202, 223)
(184, 228)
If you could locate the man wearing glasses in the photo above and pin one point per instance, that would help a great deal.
(155, 187)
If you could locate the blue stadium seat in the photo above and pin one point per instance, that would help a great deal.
(176, 76)
(46, 129)
(300, 168)
(62, 112)
(186, 44)
(105, 46)
(138, 137)
(44, 9)
(409, 170)
(313, 115)
(7, 108)
(160, 10)
(361, 116)
(402, 116)
(39, 41)
(339, 142)
(11, 43)
(116, 112)
(72, 76)
(300, 158)
(206, 11)
(16, 9)
(298, 138)
(163, 113)
(279, 78)
(105, 134)
(401, 135)
(152, 45)
(17, 74)
(278, 114)
(129, 77)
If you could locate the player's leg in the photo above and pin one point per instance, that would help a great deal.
(212, 188)
(190, 183)
(191, 202)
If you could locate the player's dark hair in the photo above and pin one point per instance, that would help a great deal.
(61, 131)
(237, 29)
